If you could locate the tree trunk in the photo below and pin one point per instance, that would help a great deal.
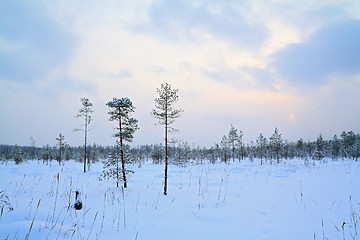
(59, 160)
(166, 162)
(117, 169)
(166, 151)
(85, 143)
(122, 154)
(233, 151)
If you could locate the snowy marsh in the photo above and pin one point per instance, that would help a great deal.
(244, 200)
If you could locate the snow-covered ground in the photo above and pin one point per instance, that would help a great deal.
(242, 200)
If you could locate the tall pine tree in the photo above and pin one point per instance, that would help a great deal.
(166, 113)
(85, 112)
(120, 111)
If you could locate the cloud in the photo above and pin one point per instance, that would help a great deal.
(244, 77)
(216, 53)
(123, 74)
(333, 49)
(32, 42)
(176, 19)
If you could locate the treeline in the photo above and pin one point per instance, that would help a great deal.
(46, 153)
(276, 148)
(231, 148)
(272, 149)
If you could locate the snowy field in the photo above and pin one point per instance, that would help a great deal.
(243, 200)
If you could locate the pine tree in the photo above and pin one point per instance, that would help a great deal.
(348, 140)
(357, 147)
(351, 139)
(300, 148)
(225, 145)
(182, 153)
(213, 155)
(276, 143)
(240, 145)
(46, 153)
(94, 153)
(310, 148)
(252, 151)
(7, 153)
(232, 138)
(335, 147)
(61, 144)
(33, 148)
(166, 113)
(17, 155)
(85, 112)
(111, 165)
(120, 111)
(68, 152)
(261, 143)
(319, 148)
(157, 154)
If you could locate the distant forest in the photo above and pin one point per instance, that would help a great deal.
(231, 148)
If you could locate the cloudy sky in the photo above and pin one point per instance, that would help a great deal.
(256, 64)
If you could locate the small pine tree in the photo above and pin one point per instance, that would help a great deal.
(17, 155)
(319, 148)
(276, 143)
(112, 168)
(94, 153)
(46, 153)
(61, 145)
(225, 145)
(232, 138)
(212, 155)
(157, 154)
(240, 145)
(33, 148)
(68, 152)
(300, 148)
(335, 147)
(261, 143)
(357, 147)
(348, 141)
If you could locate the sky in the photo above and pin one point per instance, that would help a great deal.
(253, 64)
